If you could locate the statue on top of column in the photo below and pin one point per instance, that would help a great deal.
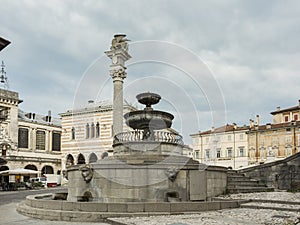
(119, 41)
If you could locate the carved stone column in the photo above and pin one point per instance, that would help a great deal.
(118, 53)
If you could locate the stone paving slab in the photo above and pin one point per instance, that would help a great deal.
(9, 216)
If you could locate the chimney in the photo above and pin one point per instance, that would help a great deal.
(278, 107)
(299, 102)
(251, 123)
(48, 118)
(257, 120)
(212, 129)
(234, 126)
(268, 126)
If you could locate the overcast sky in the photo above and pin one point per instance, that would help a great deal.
(246, 54)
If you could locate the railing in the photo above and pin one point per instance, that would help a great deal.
(142, 136)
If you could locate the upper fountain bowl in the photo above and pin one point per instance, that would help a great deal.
(148, 99)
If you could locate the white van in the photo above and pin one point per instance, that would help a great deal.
(42, 180)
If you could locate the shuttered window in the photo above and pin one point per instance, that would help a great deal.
(23, 138)
(40, 140)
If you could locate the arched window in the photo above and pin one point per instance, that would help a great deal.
(81, 159)
(2, 168)
(47, 170)
(73, 133)
(97, 130)
(31, 167)
(92, 130)
(87, 130)
(4, 179)
(93, 158)
(70, 160)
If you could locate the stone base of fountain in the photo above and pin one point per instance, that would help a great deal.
(155, 178)
(42, 207)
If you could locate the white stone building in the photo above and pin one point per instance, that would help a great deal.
(223, 146)
(87, 132)
(28, 140)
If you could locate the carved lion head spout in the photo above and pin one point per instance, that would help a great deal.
(87, 173)
(65, 174)
(171, 173)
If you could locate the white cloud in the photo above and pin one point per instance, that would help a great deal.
(252, 48)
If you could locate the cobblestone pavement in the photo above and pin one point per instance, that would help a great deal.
(9, 216)
(238, 216)
(276, 195)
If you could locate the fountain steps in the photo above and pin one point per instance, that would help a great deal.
(239, 183)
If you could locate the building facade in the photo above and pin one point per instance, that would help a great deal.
(28, 140)
(223, 146)
(277, 140)
(237, 147)
(87, 132)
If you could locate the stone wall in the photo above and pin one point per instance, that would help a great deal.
(282, 174)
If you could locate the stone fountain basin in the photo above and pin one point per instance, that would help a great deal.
(155, 120)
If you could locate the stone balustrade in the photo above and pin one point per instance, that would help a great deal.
(155, 136)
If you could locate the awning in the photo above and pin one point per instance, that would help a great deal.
(18, 172)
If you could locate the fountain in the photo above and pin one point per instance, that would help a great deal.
(147, 165)
(147, 173)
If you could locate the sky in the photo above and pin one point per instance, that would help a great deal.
(213, 62)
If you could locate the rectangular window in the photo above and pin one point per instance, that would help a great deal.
(207, 153)
(288, 139)
(55, 141)
(197, 154)
(40, 140)
(218, 153)
(87, 130)
(286, 119)
(242, 151)
(262, 153)
(229, 152)
(73, 133)
(23, 138)
(241, 136)
(274, 140)
(206, 140)
(229, 137)
(97, 130)
(288, 151)
(262, 141)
